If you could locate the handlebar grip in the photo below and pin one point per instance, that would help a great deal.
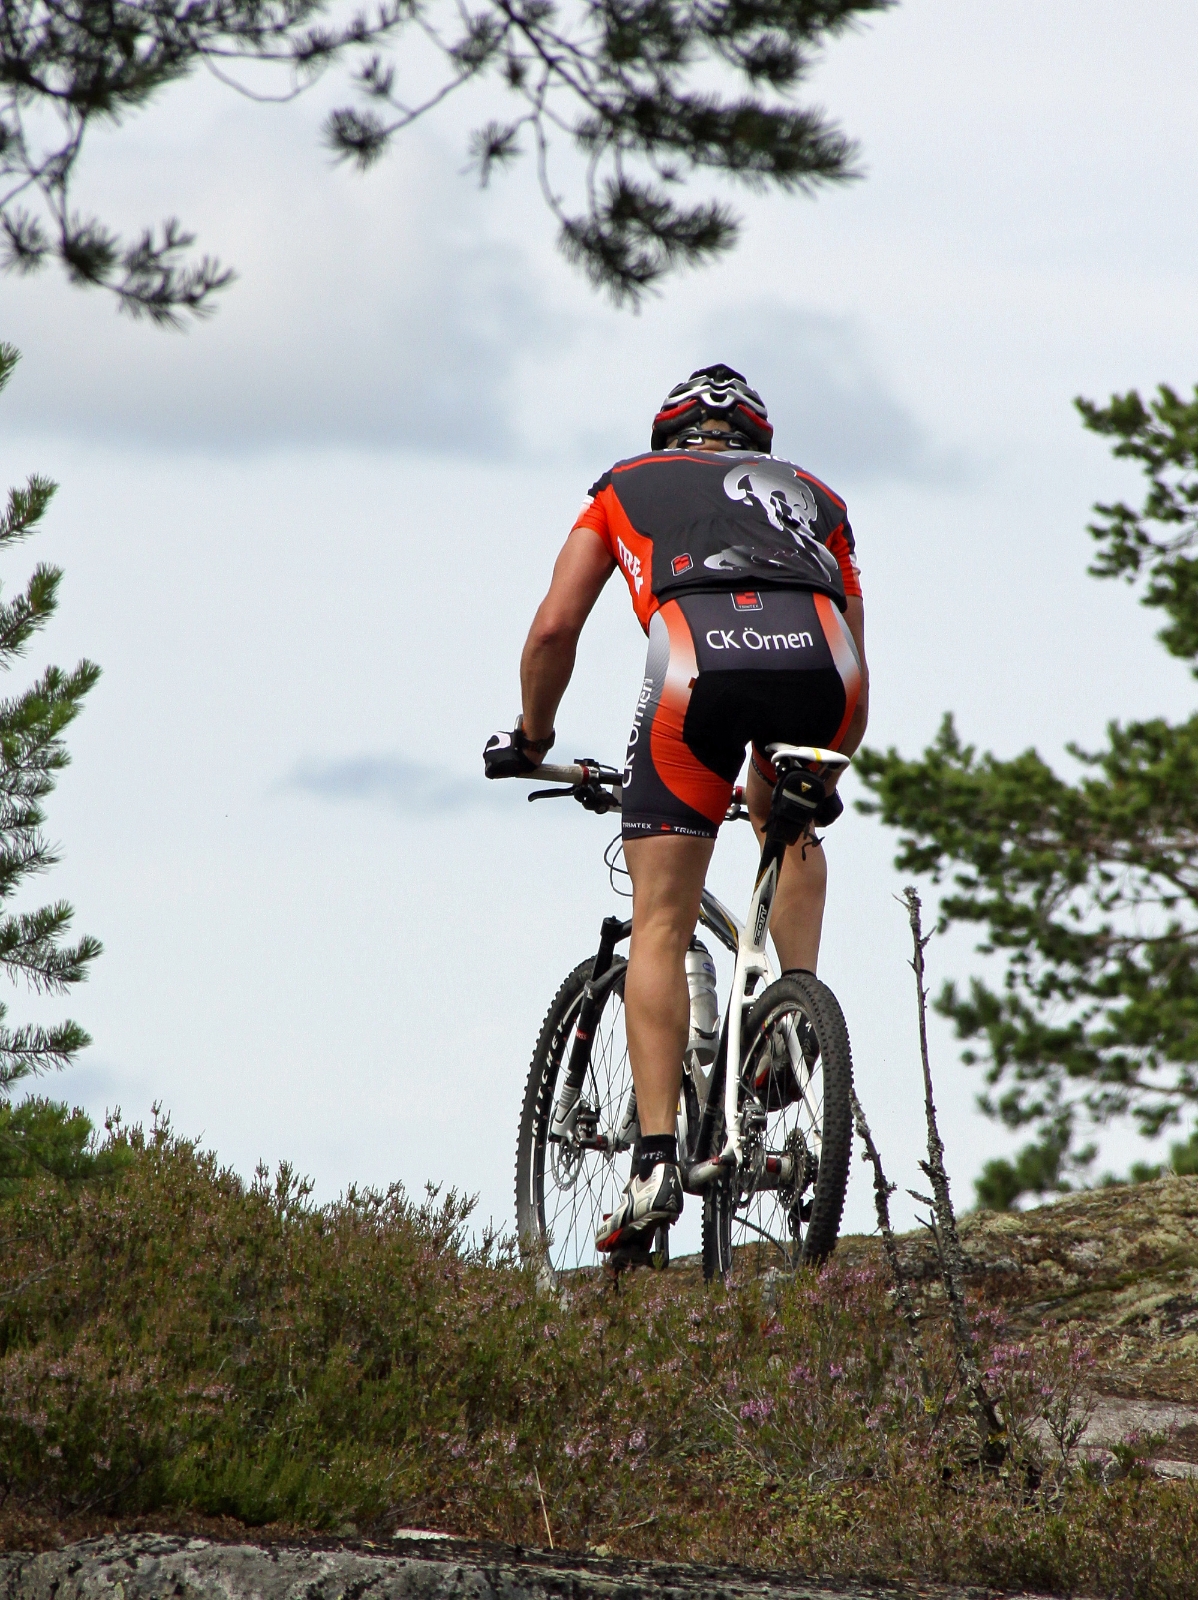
(546, 773)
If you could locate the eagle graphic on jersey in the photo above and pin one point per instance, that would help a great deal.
(789, 506)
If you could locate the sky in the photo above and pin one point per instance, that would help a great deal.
(305, 539)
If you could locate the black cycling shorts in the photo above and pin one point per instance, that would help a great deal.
(725, 669)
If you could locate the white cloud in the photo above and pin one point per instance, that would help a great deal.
(390, 780)
(373, 311)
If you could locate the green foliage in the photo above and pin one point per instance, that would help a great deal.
(1043, 1168)
(32, 949)
(43, 1138)
(1183, 1158)
(1088, 891)
(184, 1342)
(1039, 1168)
(1155, 541)
(1183, 1163)
(630, 82)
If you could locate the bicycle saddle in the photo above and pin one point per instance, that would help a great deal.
(805, 752)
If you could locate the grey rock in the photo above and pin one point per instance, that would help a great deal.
(161, 1567)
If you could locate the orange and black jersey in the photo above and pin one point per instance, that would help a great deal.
(681, 521)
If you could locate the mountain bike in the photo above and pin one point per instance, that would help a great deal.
(764, 1115)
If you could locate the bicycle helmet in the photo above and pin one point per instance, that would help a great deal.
(713, 392)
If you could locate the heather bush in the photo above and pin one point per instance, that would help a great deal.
(176, 1341)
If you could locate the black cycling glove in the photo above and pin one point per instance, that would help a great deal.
(502, 758)
(503, 754)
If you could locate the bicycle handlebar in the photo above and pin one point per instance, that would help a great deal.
(586, 771)
(598, 788)
(576, 772)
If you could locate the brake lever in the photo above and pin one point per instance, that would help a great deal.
(593, 797)
(550, 794)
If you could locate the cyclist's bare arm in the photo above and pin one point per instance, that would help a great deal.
(582, 568)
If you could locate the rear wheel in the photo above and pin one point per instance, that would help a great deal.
(783, 1205)
(566, 1184)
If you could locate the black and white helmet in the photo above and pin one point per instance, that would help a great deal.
(717, 392)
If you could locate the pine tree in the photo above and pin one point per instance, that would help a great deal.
(650, 92)
(36, 1135)
(1087, 890)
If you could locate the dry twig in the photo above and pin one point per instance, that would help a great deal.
(944, 1221)
(544, 1510)
(883, 1189)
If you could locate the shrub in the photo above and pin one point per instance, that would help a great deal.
(178, 1341)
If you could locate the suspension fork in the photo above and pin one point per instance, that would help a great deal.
(612, 932)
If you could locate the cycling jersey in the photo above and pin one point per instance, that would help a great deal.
(679, 522)
(723, 669)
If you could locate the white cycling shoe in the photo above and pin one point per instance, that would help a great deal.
(646, 1203)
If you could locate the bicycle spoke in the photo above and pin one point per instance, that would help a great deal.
(581, 1187)
(744, 1222)
(769, 1216)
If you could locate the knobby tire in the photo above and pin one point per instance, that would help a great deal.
(727, 1228)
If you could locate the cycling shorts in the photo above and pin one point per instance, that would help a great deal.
(725, 669)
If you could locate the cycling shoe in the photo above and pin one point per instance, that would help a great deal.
(645, 1203)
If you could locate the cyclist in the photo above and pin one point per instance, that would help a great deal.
(742, 571)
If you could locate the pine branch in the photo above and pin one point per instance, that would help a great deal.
(30, 1050)
(1089, 891)
(32, 725)
(619, 79)
(26, 508)
(24, 616)
(32, 751)
(635, 234)
(43, 1138)
(26, 855)
(29, 948)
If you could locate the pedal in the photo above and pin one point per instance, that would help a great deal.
(628, 1255)
(653, 1253)
(659, 1252)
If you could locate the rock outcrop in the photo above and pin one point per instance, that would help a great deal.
(160, 1567)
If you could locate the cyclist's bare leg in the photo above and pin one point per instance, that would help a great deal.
(668, 872)
(797, 918)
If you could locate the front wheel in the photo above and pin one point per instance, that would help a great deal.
(782, 1206)
(568, 1179)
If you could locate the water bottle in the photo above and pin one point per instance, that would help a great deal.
(705, 1015)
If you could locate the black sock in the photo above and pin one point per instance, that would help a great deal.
(656, 1148)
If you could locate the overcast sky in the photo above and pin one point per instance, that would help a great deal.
(305, 541)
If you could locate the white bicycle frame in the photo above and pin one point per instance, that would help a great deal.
(753, 971)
